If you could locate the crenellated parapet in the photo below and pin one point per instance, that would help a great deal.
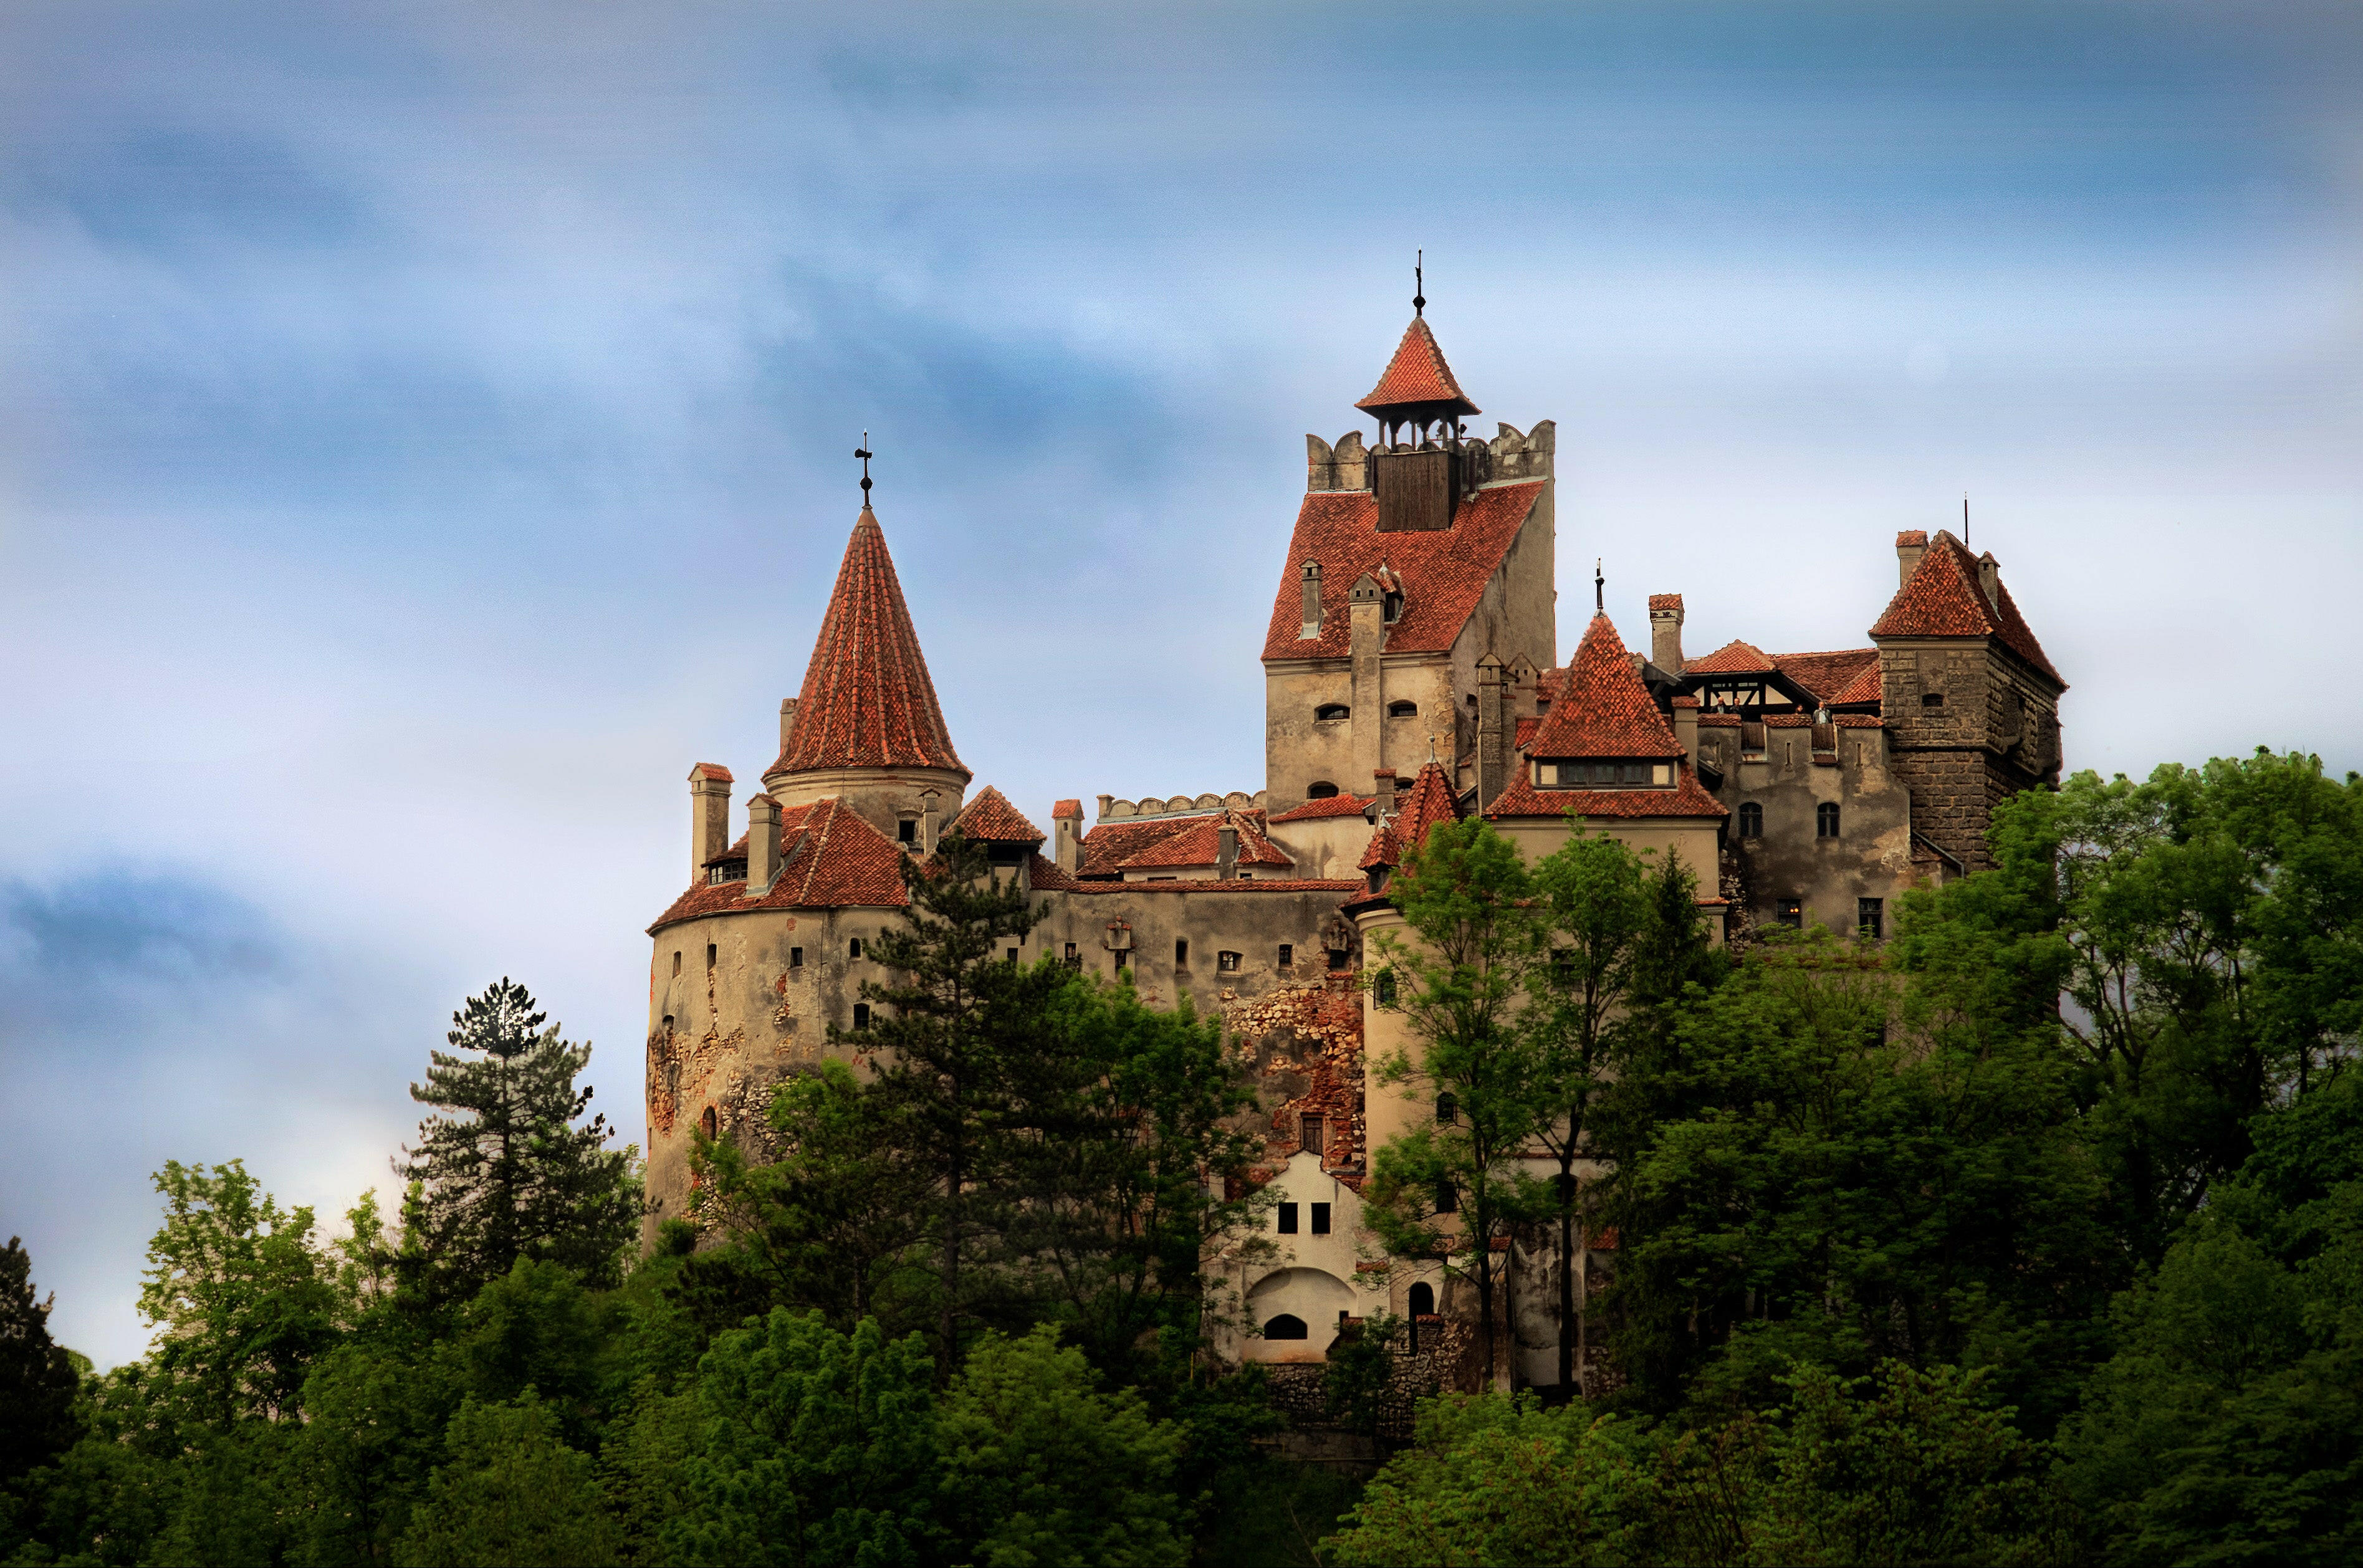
(1510, 457)
(1113, 810)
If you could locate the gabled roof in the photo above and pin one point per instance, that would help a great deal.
(1417, 375)
(1735, 657)
(1444, 570)
(829, 859)
(1429, 799)
(1109, 843)
(991, 819)
(1825, 675)
(1340, 805)
(1603, 709)
(1942, 599)
(1385, 849)
(1688, 798)
(868, 700)
(710, 770)
(1201, 845)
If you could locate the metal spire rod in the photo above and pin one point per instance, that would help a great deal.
(865, 454)
(1419, 282)
(1598, 590)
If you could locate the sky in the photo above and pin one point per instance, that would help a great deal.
(424, 432)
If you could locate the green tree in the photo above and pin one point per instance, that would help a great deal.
(1453, 1189)
(956, 1043)
(510, 1175)
(510, 1491)
(38, 1383)
(1042, 1467)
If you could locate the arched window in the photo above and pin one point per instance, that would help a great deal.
(1329, 711)
(1320, 790)
(1285, 1326)
(676, 963)
(853, 948)
(1421, 1302)
(1752, 820)
(1403, 710)
(1382, 988)
(707, 1121)
(1447, 1108)
(1825, 820)
(861, 1015)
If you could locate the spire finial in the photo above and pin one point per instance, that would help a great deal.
(1964, 519)
(1419, 282)
(865, 454)
(1598, 590)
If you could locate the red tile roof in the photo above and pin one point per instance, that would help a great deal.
(1688, 798)
(1526, 732)
(1684, 701)
(1385, 849)
(1065, 809)
(868, 700)
(1417, 374)
(1735, 657)
(1665, 602)
(1943, 600)
(1444, 570)
(1605, 711)
(1201, 845)
(1340, 805)
(1825, 675)
(711, 770)
(830, 857)
(1918, 537)
(1865, 687)
(1430, 800)
(1048, 878)
(991, 819)
(1109, 843)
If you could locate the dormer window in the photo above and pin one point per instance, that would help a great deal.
(1611, 773)
(1391, 608)
(1329, 713)
(907, 831)
(727, 871)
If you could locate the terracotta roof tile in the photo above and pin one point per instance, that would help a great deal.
(1868, 686)
(1444, 570)
(991, 819)
(1340, 805)
(1688, 798)
(1719, 720)
(831, 858)
(1665, 602)
(868, 700)
(711, 770)
(1684, 701)
(1430, 800)
(1605, 711)
(1065, 809)
(1259, 883)
(1201, 845)
(1417, 374)
(1913, 539)
(1047, 877)
(1109, 843)
(1825, 675)
(1385, 849)
(1943, 600)
(1526, 732)
(1735, 657)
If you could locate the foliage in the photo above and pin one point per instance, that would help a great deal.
(509, 1175)
(38, 1382)
(510, 1491)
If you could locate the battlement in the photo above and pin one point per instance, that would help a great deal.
(1113, 810)
(1509, 457)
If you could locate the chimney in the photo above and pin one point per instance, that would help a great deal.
(709, 816)
(1493, 736)
(1067, 835)
(787, 723)
(1990, 580)
(926, 822)
(1382, 784)
(1910, 544)
(1686, 712)
(1226, 852)
(1666, 632)
(762, 844)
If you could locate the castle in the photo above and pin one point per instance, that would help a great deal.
(1410, 676)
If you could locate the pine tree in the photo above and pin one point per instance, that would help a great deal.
(511, 1176)
(37, 1374)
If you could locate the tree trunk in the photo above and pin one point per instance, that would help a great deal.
(1567, 1315)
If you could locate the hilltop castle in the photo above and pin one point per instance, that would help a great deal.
(1410, 676)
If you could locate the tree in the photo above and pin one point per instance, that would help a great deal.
(511, 1176)
(510, 1492)
(1596, 907)
(1041, 1467)
(1467, 897)
(38, 1381)
(956, 1043)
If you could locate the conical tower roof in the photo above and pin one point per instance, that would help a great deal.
(1417, 381)
(868, 700)
(1603, 709)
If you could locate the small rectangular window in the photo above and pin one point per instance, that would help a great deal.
(1012, 956)
(1339, 958)
(1309, 1131)
(796, 957)
(676, 963)
(1791, 913)
(1320, 1218)
(1825, 820)
(861, 1015)
(1870, 918)
(1448, 1197)
(1287, 1218)
(1180, 952)
(906, 831)
(711, 951)
(1123, 958)
(1287, 956)
(853, 948)
(1227, 963)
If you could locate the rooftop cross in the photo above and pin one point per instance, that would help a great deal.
(865, 454)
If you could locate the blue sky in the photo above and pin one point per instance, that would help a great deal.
(424, 433)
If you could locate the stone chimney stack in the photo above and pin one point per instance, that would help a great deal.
(762, 846)
(1493, 733)
(1382, 784)
(1067, 835)
(1990, 580)
(1910, 546)
(787, 723)
(1666, 632)
(1226, 852)
(1686, 715)
(709, 816)
(927, 823)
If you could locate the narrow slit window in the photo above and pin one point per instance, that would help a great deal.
(1180, 952)
(676, 963)
(796, 957)
(711, 953)
(853, 948)
(707, 1122)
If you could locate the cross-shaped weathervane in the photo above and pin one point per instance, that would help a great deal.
(865, 454)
